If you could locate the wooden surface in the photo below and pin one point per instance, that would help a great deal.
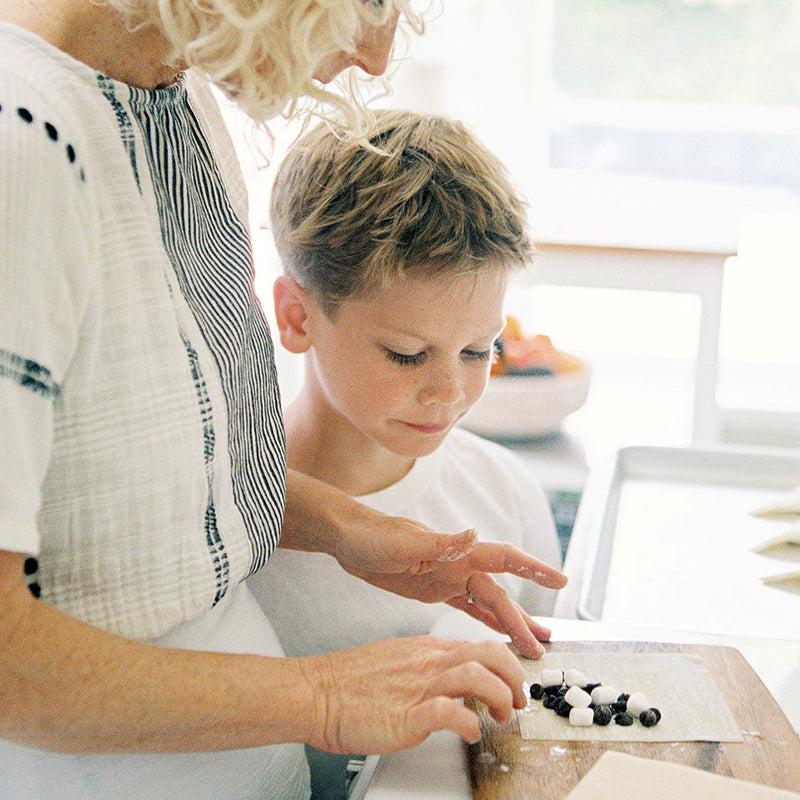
(503, 766)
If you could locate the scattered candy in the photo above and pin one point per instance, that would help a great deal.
(577, 698)
(582, 717)
(603, 695)
(636, 703)
(648, 718)
(552, 677)
(570, 695)
(574, 677)
(603, 715)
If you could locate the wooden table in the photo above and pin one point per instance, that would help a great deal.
(437, 769)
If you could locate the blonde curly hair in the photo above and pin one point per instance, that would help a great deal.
(263, 53)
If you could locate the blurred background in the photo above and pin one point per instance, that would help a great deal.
(657, 144)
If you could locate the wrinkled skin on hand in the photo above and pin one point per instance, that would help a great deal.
(392, 694)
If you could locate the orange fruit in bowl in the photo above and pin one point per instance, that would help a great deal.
(530, 355)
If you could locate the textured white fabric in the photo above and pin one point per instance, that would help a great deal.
(141, 439)
(467, 483)
(142, 454)
(235, 625)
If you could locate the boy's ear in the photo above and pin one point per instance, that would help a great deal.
(292, 307)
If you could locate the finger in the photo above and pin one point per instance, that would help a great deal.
(444, 714)
(495, 598)
(497, 658)
(539, 631)
(472, 679)
(503, 557)
(477, 611)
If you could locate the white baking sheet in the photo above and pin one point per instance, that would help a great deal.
(679, 685)
(675, 543)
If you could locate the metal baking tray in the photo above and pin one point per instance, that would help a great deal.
(671, 537)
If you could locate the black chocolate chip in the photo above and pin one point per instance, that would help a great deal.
(603, 715)
(648, 718)
(623, 719)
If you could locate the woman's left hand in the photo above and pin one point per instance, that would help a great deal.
(412, 560)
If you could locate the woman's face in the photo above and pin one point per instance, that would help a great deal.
(373, 46)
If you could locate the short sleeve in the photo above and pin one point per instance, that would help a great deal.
(45, 268)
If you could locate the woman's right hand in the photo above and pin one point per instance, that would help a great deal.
(392, 694)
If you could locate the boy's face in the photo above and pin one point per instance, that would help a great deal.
(404, 363)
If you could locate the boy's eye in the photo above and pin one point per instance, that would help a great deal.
(478, 355)
(404, 358)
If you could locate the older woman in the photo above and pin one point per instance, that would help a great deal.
(142, 469)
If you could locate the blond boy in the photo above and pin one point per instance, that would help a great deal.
(396, 265)
(396, 261)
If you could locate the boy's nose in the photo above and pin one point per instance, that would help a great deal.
(445, 389)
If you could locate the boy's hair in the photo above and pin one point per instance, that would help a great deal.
(425, 198)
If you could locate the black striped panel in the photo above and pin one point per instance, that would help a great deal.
(209, 248)
(28, 373)
(213, 540)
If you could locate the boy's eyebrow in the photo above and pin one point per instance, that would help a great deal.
(493, 334)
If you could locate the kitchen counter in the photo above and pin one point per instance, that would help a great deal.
(437, 769)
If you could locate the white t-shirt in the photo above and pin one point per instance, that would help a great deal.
(141, 437)
(467, 482)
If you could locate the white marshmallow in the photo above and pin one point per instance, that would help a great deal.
(577, 698)
(581, 716)
(637, 703)
(603, 695)
(574, 677)
(552, 677)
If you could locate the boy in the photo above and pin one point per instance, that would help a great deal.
(396, 264)
(396, 260)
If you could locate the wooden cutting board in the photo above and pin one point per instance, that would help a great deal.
(503, 766)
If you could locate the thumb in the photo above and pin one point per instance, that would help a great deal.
(430, 548)
(453, 546)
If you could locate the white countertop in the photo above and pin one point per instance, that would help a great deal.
(437, 769)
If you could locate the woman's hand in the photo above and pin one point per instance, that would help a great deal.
(409, 559)
(393, 694)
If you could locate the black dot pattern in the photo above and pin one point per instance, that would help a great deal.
(51, 131)
(35, 589)
(31, 566)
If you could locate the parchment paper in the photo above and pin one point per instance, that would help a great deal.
(679, 685)
(619, 775)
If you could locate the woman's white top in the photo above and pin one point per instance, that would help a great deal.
(468, 482)
(141, 441)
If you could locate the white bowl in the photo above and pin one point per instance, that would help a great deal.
(527, 406)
